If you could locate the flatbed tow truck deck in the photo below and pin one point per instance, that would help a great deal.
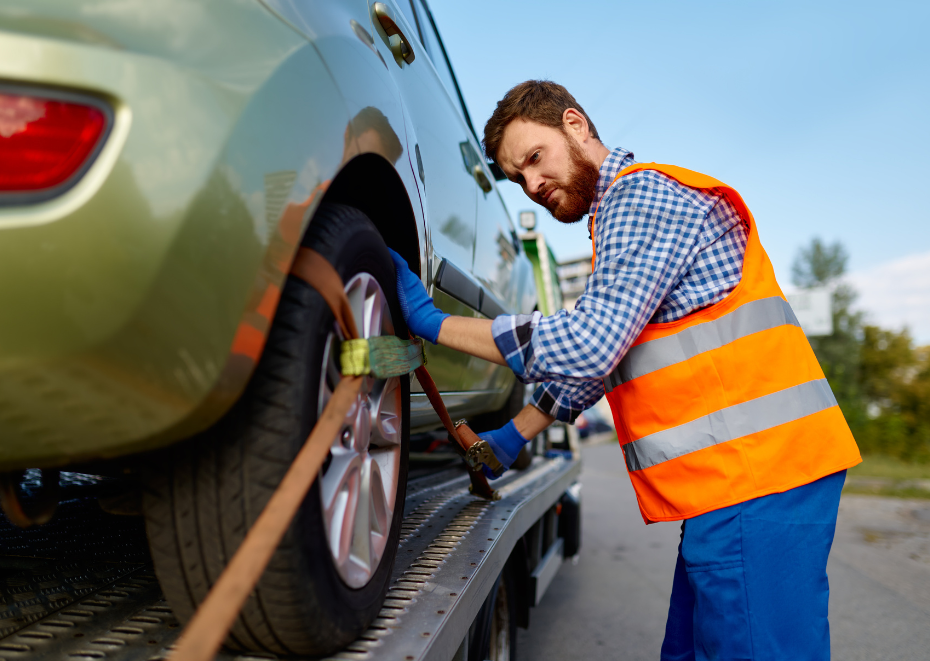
(82, 587)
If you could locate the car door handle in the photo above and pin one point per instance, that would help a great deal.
(453, 281)
(397, 41)
(481, 178)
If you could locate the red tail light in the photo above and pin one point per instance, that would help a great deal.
(45, 141)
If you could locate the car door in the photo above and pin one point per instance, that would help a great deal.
(496, 248)
(437, 131)
(439, 135)
(341, 33)
(496, 245)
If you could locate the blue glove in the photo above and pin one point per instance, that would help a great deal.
(506, 443)
(422, 317)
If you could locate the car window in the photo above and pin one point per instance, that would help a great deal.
(439, 58)
(406, 7)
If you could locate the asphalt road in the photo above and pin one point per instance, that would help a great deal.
(613, 603)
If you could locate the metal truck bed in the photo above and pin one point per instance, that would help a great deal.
(83, 588)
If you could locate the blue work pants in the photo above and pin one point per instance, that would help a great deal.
(751, 579)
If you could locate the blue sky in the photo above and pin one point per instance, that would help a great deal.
(817, 112)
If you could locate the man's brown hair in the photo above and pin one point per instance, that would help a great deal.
(540, 101)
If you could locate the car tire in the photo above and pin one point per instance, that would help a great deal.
(200, 499)
(494, 631)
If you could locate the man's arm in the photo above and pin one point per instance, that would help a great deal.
(423, 318)
(531, 421)
(565, 402)
(471, 336)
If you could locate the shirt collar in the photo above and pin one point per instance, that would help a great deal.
(616, 161)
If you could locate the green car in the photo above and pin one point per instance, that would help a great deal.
(161, 163)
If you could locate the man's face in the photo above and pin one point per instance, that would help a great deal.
(550, 166)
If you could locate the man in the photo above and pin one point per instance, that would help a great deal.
(724, 416)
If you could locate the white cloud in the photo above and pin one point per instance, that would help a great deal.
(897, 294)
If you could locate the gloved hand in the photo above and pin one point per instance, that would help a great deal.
(506, 443)
(422, 317)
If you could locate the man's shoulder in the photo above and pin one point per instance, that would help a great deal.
(654, 187)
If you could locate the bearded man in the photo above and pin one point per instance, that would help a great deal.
(725, 418)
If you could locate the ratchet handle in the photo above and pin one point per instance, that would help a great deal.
(479, 482)
(477, 450)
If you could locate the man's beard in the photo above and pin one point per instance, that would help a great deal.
(580, 189)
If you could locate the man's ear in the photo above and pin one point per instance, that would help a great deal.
(575, 124)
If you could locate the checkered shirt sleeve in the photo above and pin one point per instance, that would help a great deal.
(663, 250)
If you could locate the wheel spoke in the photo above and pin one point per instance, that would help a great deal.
(336, 525)
(355, 292)
(374, 310)
(361, 526)
(367, 302)
(387, 461)
(344, 464)
(379, 511)
(385, 409)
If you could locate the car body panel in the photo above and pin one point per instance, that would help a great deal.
(435, 132)
(142, 296)
(132, 285)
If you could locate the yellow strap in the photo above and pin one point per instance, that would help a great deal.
(382, 356)
(354, 358)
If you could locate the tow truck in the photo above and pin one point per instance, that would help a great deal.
(467, 574)
(468, 571)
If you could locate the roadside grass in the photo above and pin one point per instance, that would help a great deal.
(911, 493)
(880, 475)
(878, 465)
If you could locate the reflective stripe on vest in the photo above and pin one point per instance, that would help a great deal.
(728, 403)
(730, 423)
(747, 319)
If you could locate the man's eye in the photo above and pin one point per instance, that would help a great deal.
(534, 157)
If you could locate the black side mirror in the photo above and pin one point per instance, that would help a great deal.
(496, 171)
(515, 240)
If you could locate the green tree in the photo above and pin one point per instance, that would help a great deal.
(895, 384)
(887, 362)
(881, 382)
(822, 265)
(819, 264)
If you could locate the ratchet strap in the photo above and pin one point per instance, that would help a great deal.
(383, 357)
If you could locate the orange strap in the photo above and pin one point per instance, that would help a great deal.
(204, 635)
(314, 269)
(466, 440)
(461, 435)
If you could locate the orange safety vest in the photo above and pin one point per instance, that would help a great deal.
(728, 403)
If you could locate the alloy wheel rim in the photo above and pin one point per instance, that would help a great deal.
(359, 480)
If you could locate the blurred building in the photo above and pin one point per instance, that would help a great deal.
(573, 276)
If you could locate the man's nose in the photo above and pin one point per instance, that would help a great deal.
(535, 184)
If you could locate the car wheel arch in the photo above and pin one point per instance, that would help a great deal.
(371, 184)
(368, 183)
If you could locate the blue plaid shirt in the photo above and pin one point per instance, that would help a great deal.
(664, 250)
